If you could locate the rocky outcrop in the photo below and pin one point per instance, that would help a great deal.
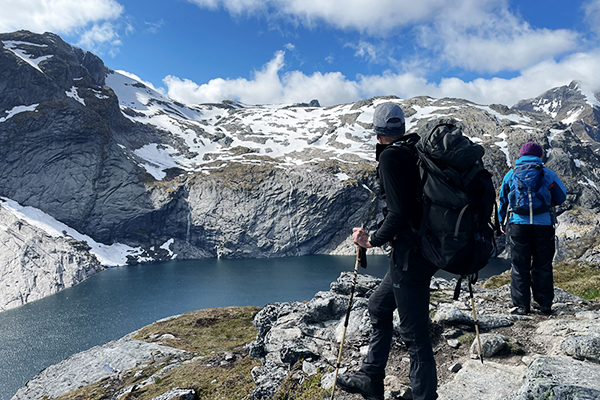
(525, 357)
(35, 264)
(104, 362)
(559, 378)
(61, 137)
(548, 352)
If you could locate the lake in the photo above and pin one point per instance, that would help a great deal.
(117, 301)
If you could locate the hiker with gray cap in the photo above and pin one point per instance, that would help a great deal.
(405, 287)
(527, 195)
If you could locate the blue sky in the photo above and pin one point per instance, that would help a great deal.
(336, 51)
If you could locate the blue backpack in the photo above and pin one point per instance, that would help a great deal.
(529, 195)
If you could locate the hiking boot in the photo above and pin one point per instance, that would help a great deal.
(543, 309)
(371, 388)
(519, 311)
(546, 310)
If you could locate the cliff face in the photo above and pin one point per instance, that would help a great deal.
(68, 150)
(35, 264)
(114, 159)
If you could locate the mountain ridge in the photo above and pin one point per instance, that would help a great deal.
(123, 165)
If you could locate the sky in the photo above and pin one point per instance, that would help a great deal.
(335, 51)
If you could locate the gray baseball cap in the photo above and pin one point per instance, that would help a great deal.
(388, 120)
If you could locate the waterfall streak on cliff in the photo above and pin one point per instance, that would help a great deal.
(189, 226)
(291, 225)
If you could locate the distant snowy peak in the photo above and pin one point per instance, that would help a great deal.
(564, 103)
(142, 97)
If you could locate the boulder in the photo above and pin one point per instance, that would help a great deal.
(559, 378)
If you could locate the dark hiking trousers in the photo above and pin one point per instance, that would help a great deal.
(532, 250)
(408, 292)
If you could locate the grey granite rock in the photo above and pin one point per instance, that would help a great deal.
(559, 378)
(584, 347)
(35, 264)
(490, 345)
(95, 364)
(487, 381)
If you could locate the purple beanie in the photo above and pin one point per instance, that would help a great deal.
(531, 149)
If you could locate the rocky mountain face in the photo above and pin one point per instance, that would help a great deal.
(571, 106)
(35, 264)
(524, 357)
(111, 157)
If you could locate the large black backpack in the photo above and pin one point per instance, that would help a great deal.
(456, 232)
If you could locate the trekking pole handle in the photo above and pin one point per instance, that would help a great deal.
(361, 256)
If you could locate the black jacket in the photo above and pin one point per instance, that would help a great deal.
(399, 181)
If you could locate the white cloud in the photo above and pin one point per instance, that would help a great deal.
(492, 40)
(235, 7)
(364, 49)
(154, 27)
(479, 35)
(98, 36)
(88, 19)
(270, 85)
(59, 16)
(362, 15)
(508, 52)
(592, 14)
(531, 82)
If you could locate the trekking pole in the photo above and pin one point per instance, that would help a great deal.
(360, 260)
(475, 319)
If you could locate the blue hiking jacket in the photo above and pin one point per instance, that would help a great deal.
(558, 194)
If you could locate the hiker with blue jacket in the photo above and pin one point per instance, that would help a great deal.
(527, 197)
(405, 287)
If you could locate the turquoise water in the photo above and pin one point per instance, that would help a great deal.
(117, 301)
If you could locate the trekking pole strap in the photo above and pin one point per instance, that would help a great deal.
(457, 288)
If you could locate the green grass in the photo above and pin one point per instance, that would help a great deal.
(205, 331)
(209, 333)
(582, 280)
(309, 389)
(466, 338)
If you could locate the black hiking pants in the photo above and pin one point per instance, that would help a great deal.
(406, 290)
(532, 250)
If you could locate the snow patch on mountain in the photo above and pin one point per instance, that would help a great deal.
(18, 109)
(13, 46)
(72, 93)
(514, 117)
(108, 255)
(158, 159)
